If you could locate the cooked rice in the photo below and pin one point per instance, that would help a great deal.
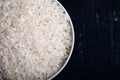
(35, 39)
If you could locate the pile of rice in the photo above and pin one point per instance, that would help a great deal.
(35, 39)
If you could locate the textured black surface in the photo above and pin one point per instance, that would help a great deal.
(96, 54)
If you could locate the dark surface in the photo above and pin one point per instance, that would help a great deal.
(96, 54)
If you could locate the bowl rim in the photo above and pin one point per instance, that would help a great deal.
(73, 41)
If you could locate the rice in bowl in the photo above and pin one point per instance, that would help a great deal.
(35, 39)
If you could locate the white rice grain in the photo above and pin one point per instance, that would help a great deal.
(35, 38)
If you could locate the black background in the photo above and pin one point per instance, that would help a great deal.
(96, 54)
